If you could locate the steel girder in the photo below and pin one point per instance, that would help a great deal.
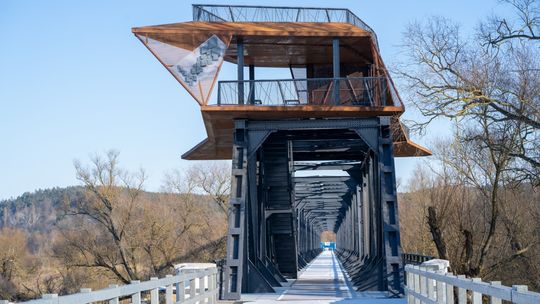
(277, 215)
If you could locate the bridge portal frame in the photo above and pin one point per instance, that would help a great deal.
(247, 267)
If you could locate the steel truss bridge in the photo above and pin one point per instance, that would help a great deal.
(278, 211)
(312, 154)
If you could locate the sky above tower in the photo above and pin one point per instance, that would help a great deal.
(74, 81)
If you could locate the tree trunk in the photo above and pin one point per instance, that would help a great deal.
(436, 233)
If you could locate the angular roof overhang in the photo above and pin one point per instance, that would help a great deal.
(219, 124)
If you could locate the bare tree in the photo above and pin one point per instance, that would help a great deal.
(14, 259)
(123, 231)
(210, 178)
(453, 77)
(525, 24)
(482, 229)
(113, 196)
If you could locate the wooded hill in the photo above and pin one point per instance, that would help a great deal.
(51, 246)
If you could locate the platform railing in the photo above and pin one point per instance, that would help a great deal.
(189, 285)
(359, 91)
(252, 13)
(414, 258)
(431, 283)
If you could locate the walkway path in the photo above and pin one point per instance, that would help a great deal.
(323, 281)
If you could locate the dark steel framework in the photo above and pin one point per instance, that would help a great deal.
(277, 215)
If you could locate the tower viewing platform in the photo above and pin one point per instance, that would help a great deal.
(332, 55)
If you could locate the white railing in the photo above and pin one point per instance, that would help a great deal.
(193, 283)
(431, 283)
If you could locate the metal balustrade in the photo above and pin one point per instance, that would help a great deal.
(413, 258)
(251, 13)
(430, 283)
(189, 285)
(360, 91)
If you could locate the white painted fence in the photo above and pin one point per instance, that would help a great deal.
(431, 283)
(193, 283)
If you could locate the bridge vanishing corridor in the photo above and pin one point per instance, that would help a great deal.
(312, 154)
(323, 281)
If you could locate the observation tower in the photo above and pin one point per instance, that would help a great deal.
(338, 111)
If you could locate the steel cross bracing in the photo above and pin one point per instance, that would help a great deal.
(278, 213)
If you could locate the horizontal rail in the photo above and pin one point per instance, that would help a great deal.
(361, 91)
(427, 284)
(254, 13)
(270, 7)
(414, 258)
(190, 287)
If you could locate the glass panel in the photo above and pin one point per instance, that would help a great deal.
(197, 69)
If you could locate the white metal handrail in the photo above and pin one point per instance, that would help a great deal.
(189, 285)
(430, 283)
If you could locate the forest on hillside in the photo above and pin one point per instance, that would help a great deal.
(109, 230)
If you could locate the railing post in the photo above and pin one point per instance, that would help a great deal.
(212, 287)
(417, 284)
(517, 289)
(136, 297)
(441, 291)
(439, 267)
(423, 282)
(476, 296)
(192, 289)
(462, 292)
(114, 300)
(449, 291)
(409, 286)
(154, 293)
(493, 300)
(180, 291)
(430, 289)
(169, 292)
(201, 284)
(51, 297)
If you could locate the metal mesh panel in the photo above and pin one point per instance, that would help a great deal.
(196, 70)
(366, 91)
(247, 13)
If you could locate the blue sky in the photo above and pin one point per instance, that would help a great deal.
(74, 81)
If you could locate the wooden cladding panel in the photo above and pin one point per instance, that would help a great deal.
(269, 44)
(329, 29)
(219, 123)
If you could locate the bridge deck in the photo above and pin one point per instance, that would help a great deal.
(323, 281)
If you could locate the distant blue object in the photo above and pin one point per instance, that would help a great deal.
(328, 245)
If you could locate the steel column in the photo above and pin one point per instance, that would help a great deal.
(240, 68)
(336, 68)
(251, 84)
(237, 212)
